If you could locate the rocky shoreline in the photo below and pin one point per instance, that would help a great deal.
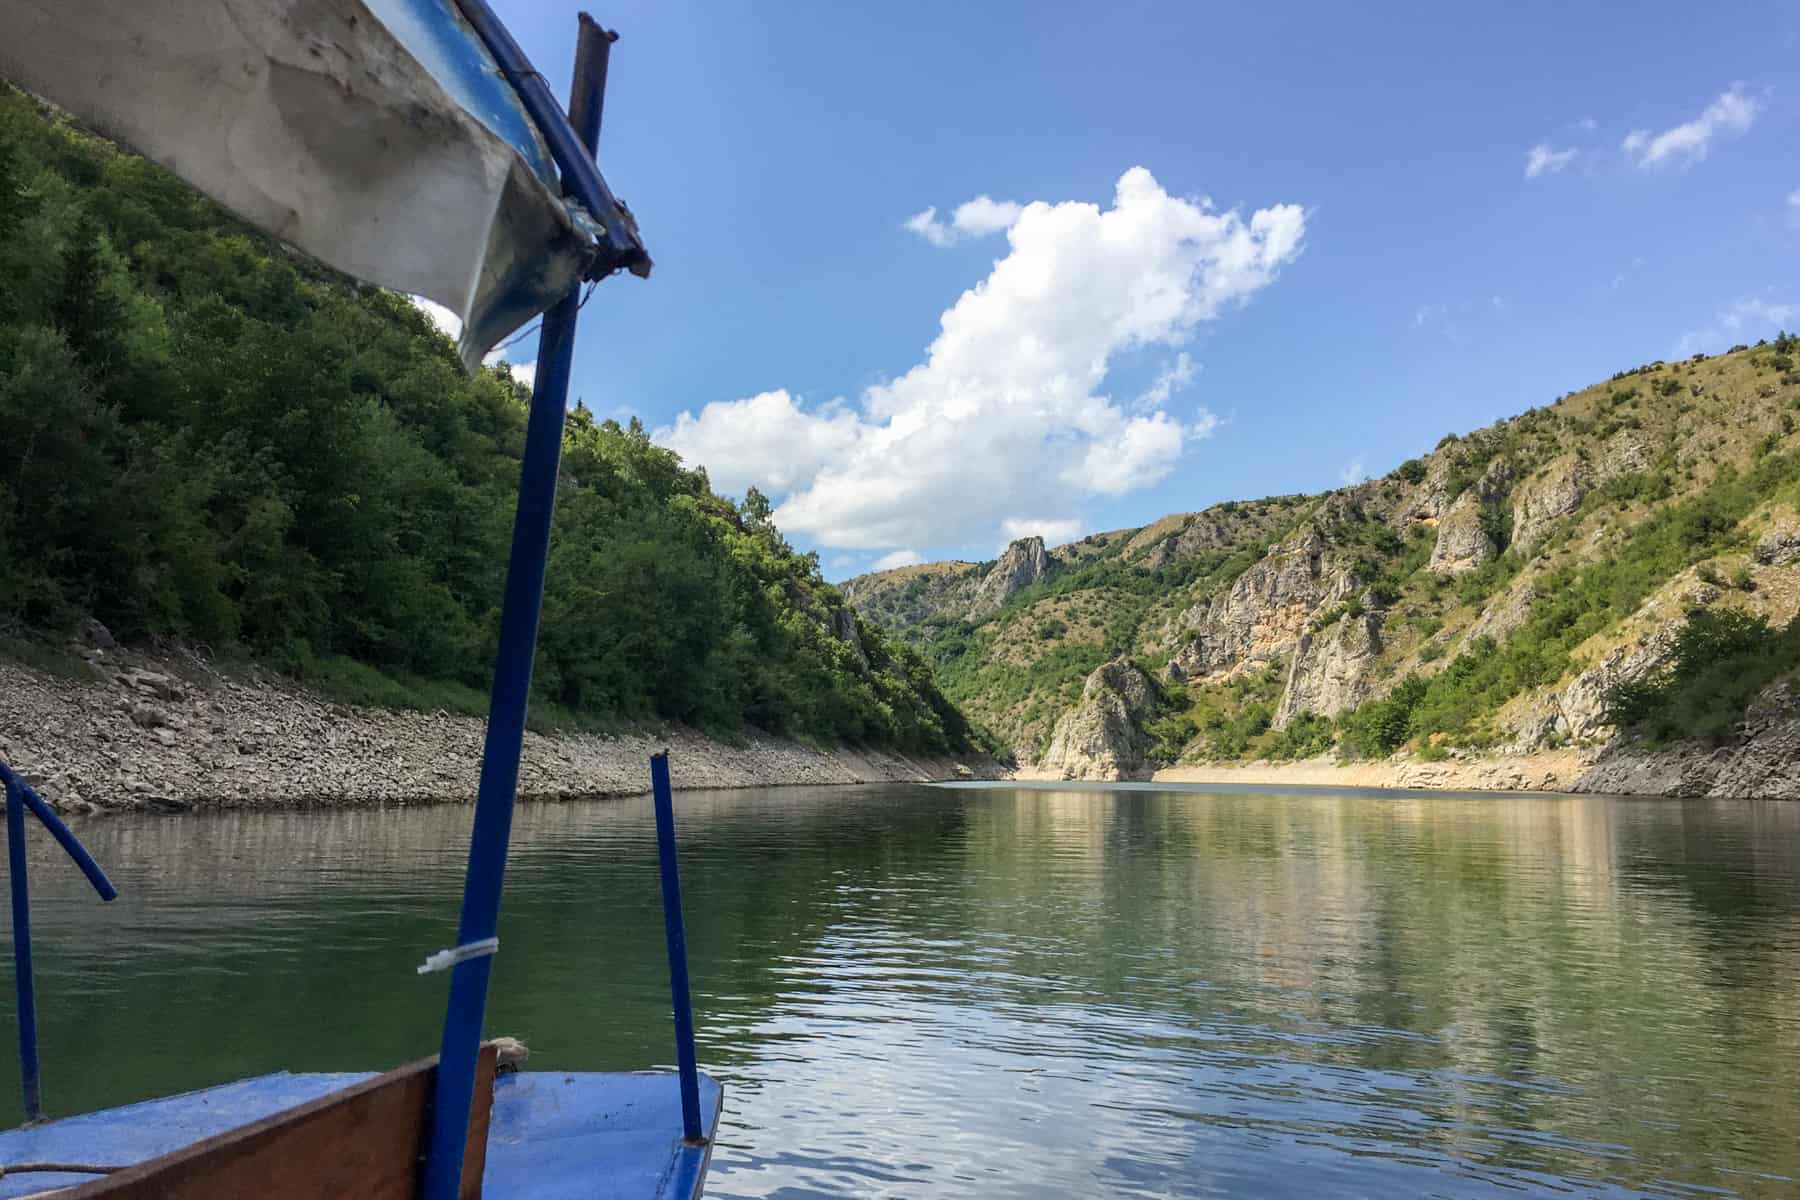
(1762, 763)
(164, 734)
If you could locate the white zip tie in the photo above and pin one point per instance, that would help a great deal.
(443, 960)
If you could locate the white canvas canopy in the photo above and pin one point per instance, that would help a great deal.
(375, 135)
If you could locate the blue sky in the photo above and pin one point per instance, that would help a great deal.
(1135, 353)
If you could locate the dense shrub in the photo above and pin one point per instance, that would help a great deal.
(1717, 663)
(1379, 727)
(1304, 736)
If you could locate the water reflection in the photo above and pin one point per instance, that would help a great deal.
(1021, 991)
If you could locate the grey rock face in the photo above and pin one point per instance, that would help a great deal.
(1263, 615)
(1102, 737)
(1763, 761)
(1546, 498)
(1462, 544)
(1023, 564)
(1331, 669)
(843, 628)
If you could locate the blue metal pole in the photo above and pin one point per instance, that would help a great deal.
(467, 1007)
(21, 923)
(676, 932)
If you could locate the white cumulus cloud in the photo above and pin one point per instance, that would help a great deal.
(1353, 472)
(1689, 142)
(979, 217)
(443, 318)
(768, 441)
(1006, 414)
(1543, 159)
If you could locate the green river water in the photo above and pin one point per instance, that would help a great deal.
(1001, 991)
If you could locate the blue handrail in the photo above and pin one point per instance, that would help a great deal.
(20, 797)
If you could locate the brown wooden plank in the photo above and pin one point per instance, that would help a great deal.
(481, 1109)
(361, 1143)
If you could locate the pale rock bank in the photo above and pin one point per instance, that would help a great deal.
(169, 735)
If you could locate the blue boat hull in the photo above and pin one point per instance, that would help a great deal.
(550, 1135)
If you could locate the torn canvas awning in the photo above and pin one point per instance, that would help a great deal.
(378, 136)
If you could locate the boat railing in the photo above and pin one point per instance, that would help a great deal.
(21, 797)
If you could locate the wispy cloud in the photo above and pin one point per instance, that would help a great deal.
(898, 558)
(1758, 314)
(1353, 472)
(1585, 125)
(1054, 531)
(1731, 115)
(1544, 159)
(1793, 207)
(1169, 380)
(973, 218)
(1750, 318)
(1425, 314)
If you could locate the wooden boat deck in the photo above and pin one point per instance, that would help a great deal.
(550, 1134)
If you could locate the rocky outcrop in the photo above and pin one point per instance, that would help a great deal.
(1779, 546)
(1577, 711)
(1462, 544)
(1022, 565)
(1332, 669)
(166, 735)
(1546, 498)
(1263, 615)
(1462, 541)
(1102, 737)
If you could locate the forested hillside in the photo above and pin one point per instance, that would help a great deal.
(207, 440)
(1622, 561)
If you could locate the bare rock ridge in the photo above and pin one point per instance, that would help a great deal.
(1022, 565)
(1492, 554)
(1102, 737)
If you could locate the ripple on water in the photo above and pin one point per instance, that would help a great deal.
(1023, 992)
